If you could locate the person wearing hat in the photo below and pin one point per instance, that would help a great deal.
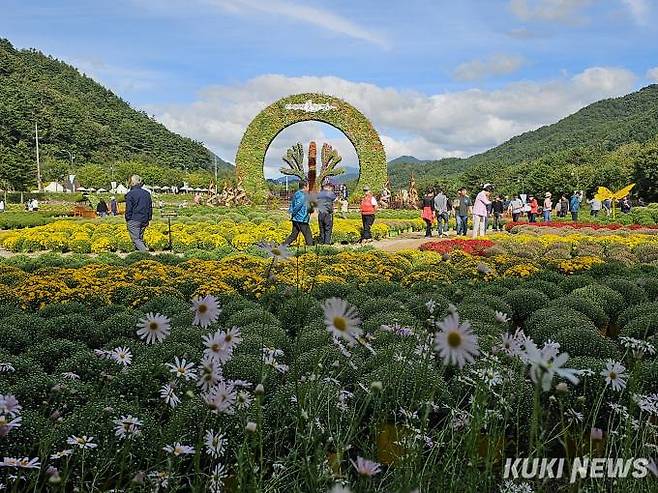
(481, 210)
(114, 206)
(368, 210)
(534, 209)
(548, 206)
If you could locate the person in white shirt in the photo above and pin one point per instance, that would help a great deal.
(2, 206)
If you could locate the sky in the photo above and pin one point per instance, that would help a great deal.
(437, 78)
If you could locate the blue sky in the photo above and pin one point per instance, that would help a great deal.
(437, 78)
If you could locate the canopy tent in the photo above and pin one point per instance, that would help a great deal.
(54, 186)
(120, 189)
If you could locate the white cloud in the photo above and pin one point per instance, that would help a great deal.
(456, 123)
(499, 64)
(652, 74)
(563, 11)
(121, 79)
(639, 10)
(311, 15)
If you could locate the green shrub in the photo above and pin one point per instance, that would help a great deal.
(524, 302)
(48, 353)
(102, 313)
(74, 327)
(475, 311)
(331, 290)
(373, 323)
(607, 298)
(493, 302)
(545, 324)
(297, 311)
(20, 331)
(641, 327)
(166, 305)
(249, 316)
(550, 289)
(570, 283)
(579, 342)
(589, 308)
(631, 292)
(636, 311)
(375, 306)
(123, 324)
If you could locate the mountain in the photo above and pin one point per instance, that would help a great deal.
(611, 142)
(405, 160)
(77, 119)
(604, 125)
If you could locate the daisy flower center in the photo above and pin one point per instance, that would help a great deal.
(340, 323)
(276, 251)
(153, 326)
(454, 339)
(613, 375)
(203, 309)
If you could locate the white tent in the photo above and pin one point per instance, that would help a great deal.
(121, 189)
(53, 186)
(101, 190)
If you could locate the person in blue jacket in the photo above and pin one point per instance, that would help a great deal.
(139, 212)
(574, 205)
(300, 215)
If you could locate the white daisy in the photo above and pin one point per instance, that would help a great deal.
(509, 344)
(122, 355)
(178, 449)
(341, 319)
(647, 403)
(62, 453)
(366, 467)
(21, 463)
(544, 366)
(9, 405)
(614, 374)
(216, 347)
(209, 374)
(182, 369)
(574, 416)
(154, 328)
(221, 398)
(83, 442)
(206, 310)
(243, 399)
(232, 337)
(502, 318)
(8, 423)
(160, 478)
(456, 343)
(7, 368)
(127, 427)
(167, 393)
(215, 443)
(216, 484)
(276, 251)
(70, 375)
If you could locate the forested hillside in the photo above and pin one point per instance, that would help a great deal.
(78, 120)
(611, 143)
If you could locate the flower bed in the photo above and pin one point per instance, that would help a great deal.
(188, 234)
(522, 225)
(473, 247)
(123, 373)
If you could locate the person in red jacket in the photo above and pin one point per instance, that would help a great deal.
(368, 211)
(534, 209)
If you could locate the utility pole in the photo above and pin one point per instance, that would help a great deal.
(215, 159)
(36, 133)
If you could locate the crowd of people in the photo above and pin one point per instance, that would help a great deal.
(488, 209)
(304, 203)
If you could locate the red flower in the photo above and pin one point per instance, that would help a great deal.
(473, 247)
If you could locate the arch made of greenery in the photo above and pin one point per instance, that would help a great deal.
(250, 159)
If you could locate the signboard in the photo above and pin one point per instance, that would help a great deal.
(311, 107)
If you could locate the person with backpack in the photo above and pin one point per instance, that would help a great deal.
(368, 210)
